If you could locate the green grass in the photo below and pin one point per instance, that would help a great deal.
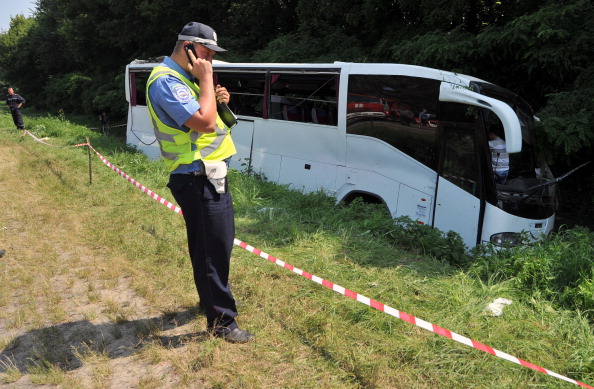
(126, 256)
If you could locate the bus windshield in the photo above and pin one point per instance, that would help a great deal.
(529, 189)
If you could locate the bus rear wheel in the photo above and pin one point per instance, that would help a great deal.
(366, 198)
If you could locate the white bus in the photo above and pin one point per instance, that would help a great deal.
(410, 137)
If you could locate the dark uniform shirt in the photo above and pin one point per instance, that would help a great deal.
(13, 101)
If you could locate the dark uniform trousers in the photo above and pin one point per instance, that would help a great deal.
(210, 227)
(17, 118)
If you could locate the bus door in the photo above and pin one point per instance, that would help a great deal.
(243, 137)
(458, 204)
(139, 131)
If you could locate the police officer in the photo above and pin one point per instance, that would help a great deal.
(15, 102)
(192, 137)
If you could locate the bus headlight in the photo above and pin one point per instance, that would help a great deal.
(506, 239)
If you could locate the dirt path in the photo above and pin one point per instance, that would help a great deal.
(67, 316)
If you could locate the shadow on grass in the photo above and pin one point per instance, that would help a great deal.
(63, 345)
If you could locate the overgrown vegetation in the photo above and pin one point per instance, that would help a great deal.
(115, 274)
(559, 269)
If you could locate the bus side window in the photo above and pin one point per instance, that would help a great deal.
(385, 107)
(247, 91)
(303, 97)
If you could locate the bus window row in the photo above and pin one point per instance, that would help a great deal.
(306, 98)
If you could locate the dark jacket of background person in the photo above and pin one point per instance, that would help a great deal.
(15, 102)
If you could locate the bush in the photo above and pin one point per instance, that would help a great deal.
(447, 247)
(68, 92)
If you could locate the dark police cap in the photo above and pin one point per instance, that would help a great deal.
(200, 33)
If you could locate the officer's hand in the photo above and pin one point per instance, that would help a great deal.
(200, 68)
(222, 95)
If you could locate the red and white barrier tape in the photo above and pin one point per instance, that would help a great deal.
(131, 180)
(47, 144)
(108, 127)
(405, 316)
(367, 301)
(356, 296)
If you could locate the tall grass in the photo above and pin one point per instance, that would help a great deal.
(559, 269)
(125, 256)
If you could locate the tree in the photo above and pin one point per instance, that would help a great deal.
(539, 49)
(9, 43)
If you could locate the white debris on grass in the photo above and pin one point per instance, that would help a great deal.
(496, 307)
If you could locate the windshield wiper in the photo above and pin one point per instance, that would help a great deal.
(533, 189)
(556, 180)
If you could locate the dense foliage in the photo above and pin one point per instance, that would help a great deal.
(71, 55)
(559, 269)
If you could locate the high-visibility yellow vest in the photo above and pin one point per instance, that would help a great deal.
(176, 145)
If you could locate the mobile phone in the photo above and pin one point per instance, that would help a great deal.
(188, 47)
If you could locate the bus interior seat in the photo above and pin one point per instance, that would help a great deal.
(291, 114)
(320, 116)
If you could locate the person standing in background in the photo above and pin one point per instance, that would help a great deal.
(104, 120)
(15, 102)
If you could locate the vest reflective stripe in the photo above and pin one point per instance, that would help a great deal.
(175, 144)
(192, 136)
(213, 146)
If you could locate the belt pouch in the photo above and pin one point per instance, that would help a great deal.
(216, 172)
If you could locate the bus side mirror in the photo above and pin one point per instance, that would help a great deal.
(511, 123)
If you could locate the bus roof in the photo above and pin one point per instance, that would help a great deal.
(351, 67)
